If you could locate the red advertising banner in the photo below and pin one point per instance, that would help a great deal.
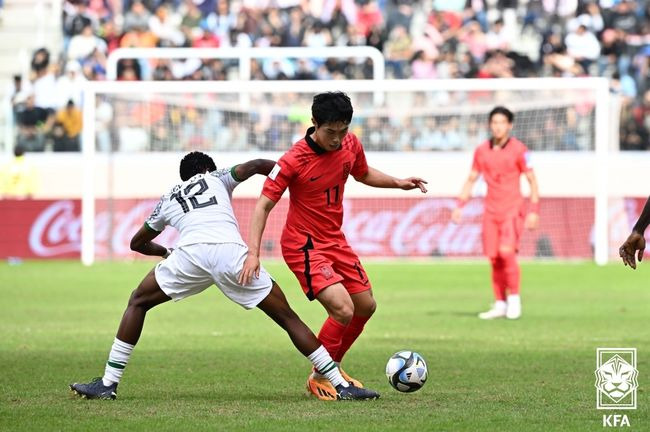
(384, 227)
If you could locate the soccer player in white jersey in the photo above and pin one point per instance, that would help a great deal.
(210, 250)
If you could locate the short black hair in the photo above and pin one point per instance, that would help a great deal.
(196, 163)
(330, 107)
(502, 110)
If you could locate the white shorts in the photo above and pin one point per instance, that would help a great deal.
(191, 269)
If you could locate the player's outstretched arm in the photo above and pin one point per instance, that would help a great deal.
(258, 223)
(256, 166)
(465, 192)
(635, 243)
(376, 178)
(142, 243)
(532, 220)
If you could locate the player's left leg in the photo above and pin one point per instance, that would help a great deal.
(356, 283)
(512, 273)
(509, 239)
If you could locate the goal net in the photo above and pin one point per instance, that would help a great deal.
(136, 133)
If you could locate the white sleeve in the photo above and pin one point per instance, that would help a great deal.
(156, 221)
(227, 177)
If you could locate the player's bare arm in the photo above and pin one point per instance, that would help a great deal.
(464, 195)
(532, 220)
(256, 166)
(142, 242)
(635, 243)
(378, 179)
(260, 215)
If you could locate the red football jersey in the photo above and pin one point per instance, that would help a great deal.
(316, 181)
(502, 169)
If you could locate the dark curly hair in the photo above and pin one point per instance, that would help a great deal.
(196, 163)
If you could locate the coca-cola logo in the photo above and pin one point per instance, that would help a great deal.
(424, 229)
(57, 229)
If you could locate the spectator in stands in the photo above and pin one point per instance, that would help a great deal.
(583, 47)
(18, 178)
(76, 16)
(137, 17)
(71, 120)
(422, 67)
(69, 86)
(497, 38)
(397, 51)
(84, 44)
(165, 24)
(32, 122)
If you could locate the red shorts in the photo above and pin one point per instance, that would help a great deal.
(501, 231)
(319, 267)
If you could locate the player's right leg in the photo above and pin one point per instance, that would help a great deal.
(147, 295)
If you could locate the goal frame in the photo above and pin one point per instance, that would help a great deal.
(600, 86)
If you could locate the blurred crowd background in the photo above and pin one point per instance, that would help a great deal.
(419, 39)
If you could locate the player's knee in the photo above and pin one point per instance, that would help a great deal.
(139, 300)
(343, 312)
(371, 307)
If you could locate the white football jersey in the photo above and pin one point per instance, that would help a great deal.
(200, 209)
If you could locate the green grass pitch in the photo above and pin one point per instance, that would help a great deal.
(206, 364)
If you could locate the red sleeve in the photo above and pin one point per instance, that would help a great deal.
(360, 167)
(278, 179)
(476, 165)
(523, 160)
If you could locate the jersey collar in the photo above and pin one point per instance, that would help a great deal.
(312, 144)
(504, 146)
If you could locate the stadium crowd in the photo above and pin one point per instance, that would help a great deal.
(419, 39)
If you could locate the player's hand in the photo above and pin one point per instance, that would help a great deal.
(456, 215)
(251, 268)
(412, 183)
(532, 221)
(635, 242)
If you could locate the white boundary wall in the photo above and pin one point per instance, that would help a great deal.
(594, 166)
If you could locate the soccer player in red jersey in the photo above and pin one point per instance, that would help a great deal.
(315, 171)
(501, 160)
(636, 242)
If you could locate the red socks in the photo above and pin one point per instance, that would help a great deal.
(511, 272)
(331, 335)
(498, 278)
(505, 275)
(352, 332)
(338, 338)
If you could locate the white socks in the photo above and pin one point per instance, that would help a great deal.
(514, 299)
(500, 305)
(324, 364)
(117, 360)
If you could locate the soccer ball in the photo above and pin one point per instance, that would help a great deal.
(406, 371)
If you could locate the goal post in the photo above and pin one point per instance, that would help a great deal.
(427, 128)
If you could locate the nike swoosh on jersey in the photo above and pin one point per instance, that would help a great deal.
(315, 178)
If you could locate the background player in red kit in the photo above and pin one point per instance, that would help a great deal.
(501, 160)
(315, 170)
